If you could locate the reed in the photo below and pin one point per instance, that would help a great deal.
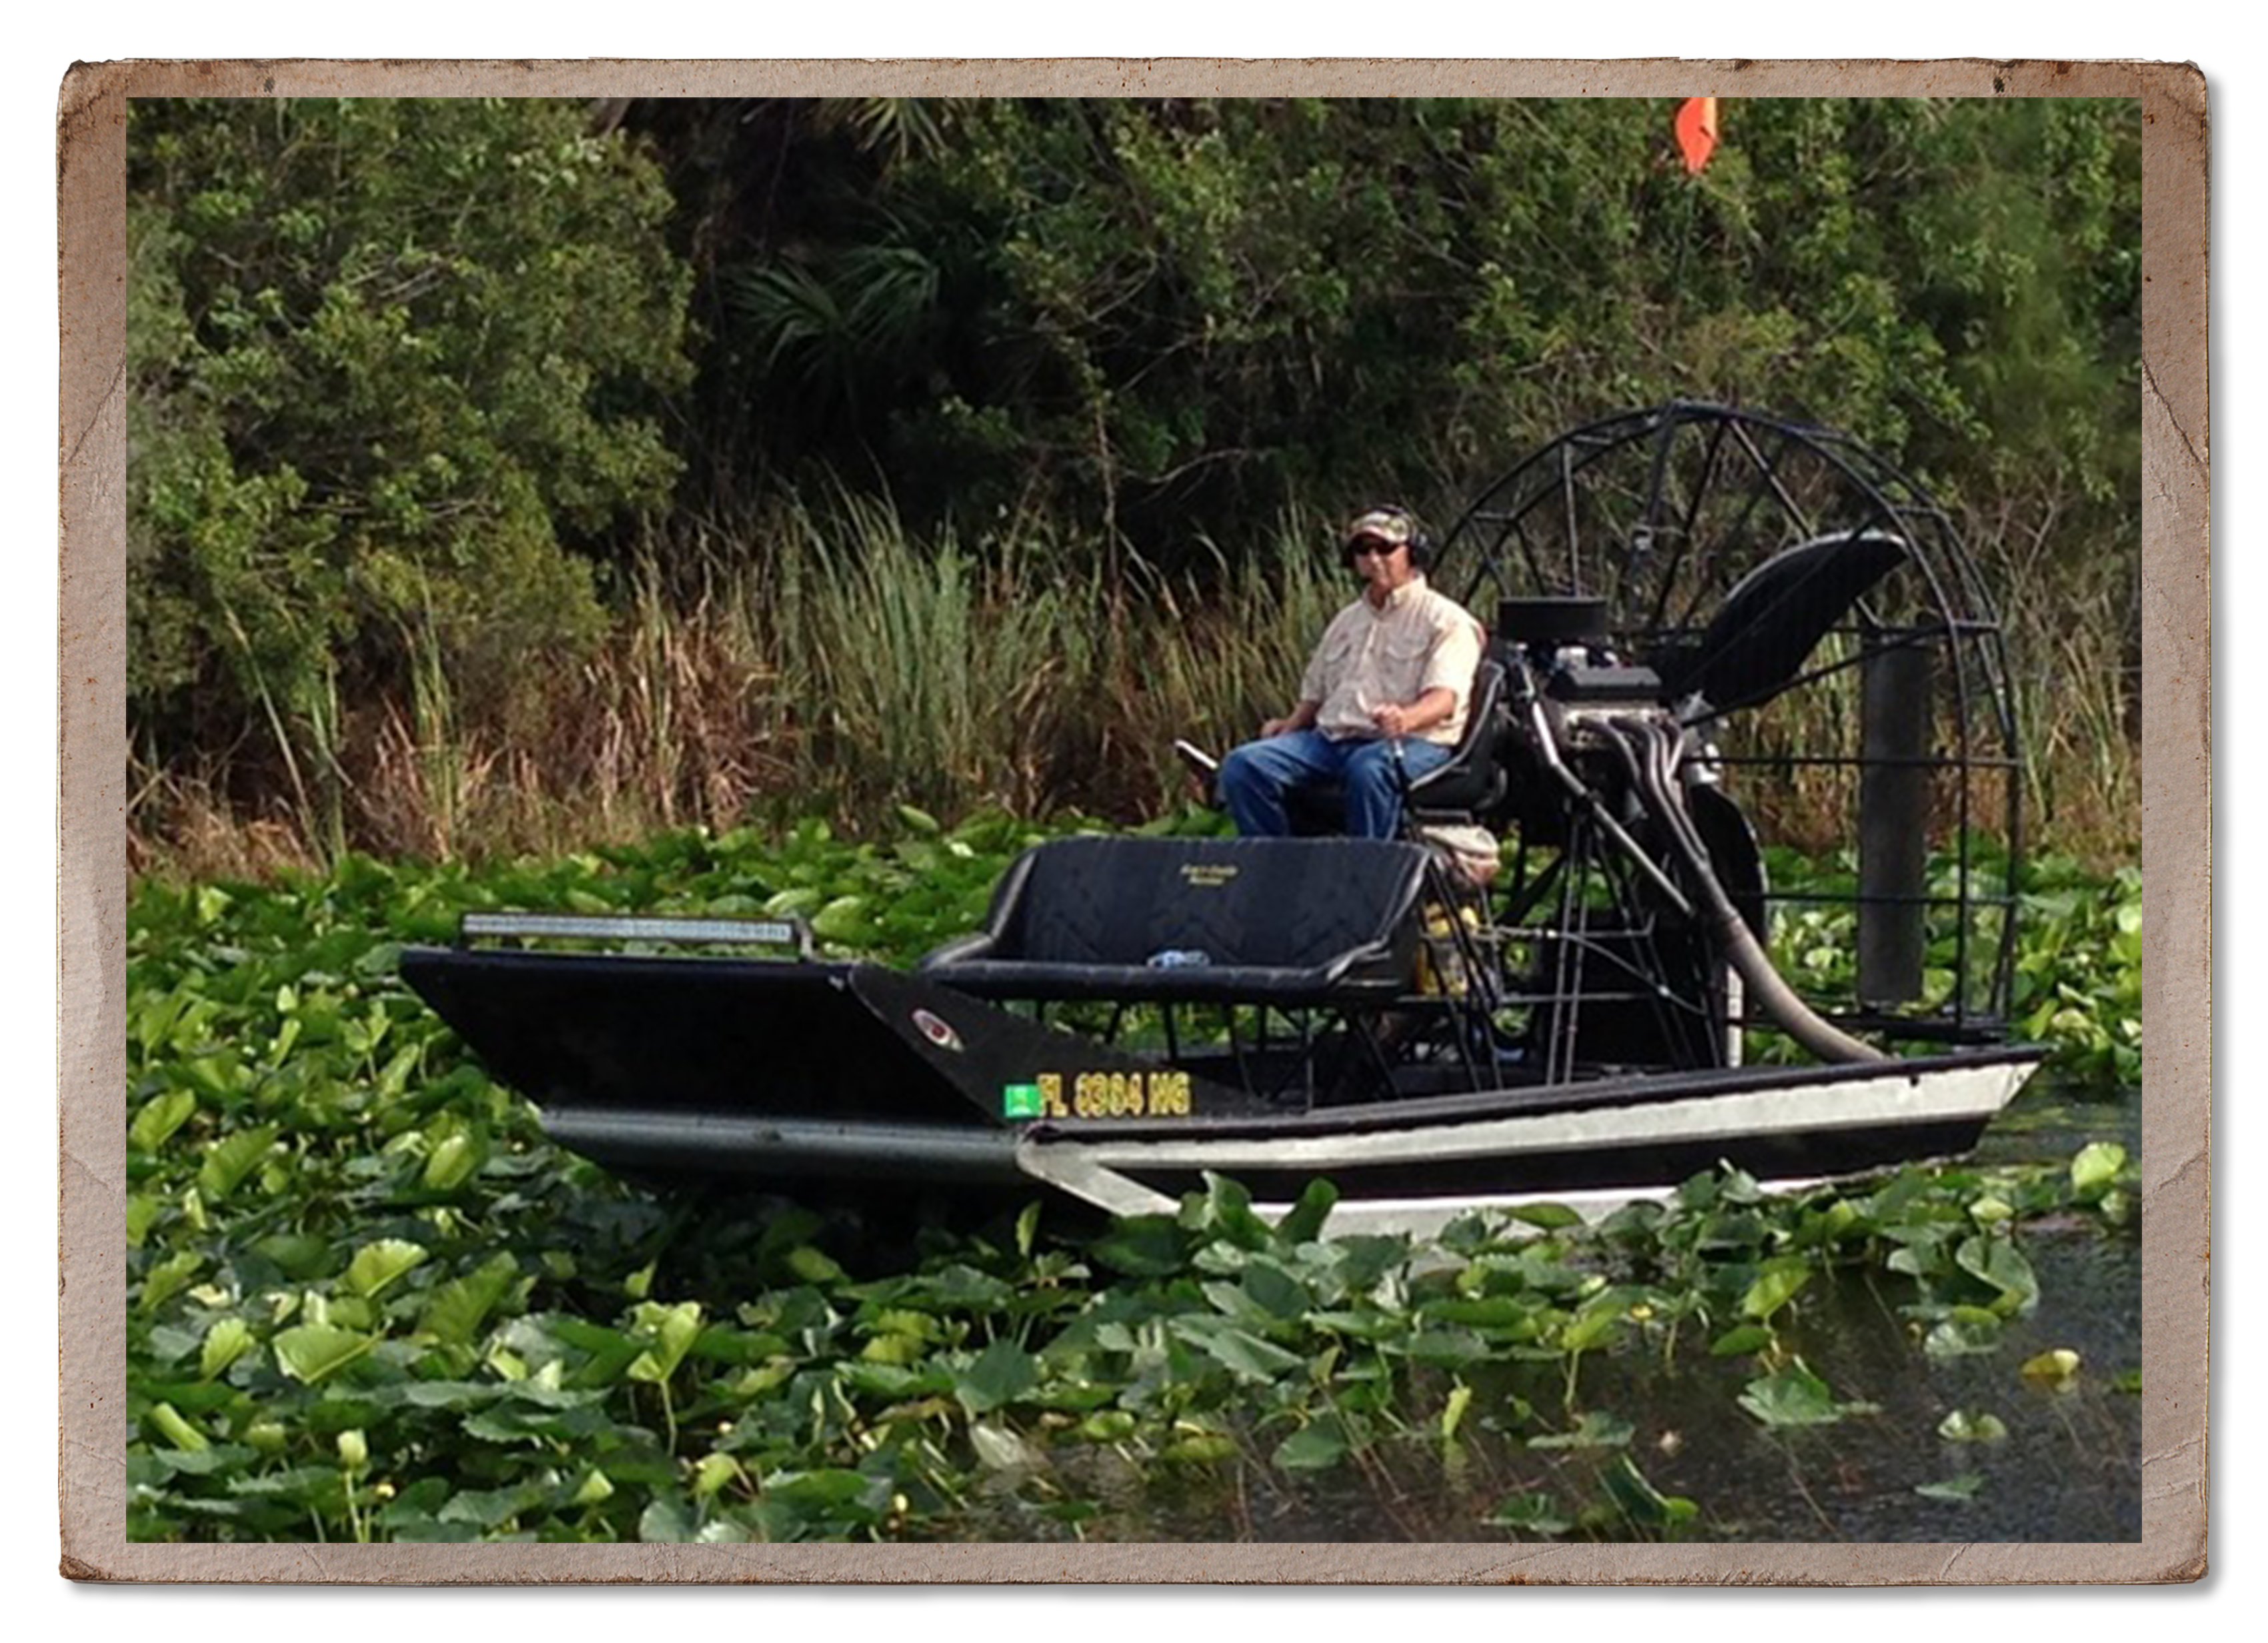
(821, 658)
(2073, 658)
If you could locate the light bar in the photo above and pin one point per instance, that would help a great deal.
(752, 932)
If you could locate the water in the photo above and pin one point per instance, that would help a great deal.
(2068, 1469)
(2045, 1124)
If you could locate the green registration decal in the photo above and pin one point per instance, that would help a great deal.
(1162, 1094)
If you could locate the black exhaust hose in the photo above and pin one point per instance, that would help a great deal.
(1770, 992)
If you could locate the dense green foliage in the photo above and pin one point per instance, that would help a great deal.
(410, 383)
(2076, 977)
(370, 1299)
(1179, 318)
(390, 364)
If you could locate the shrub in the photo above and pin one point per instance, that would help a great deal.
(386, 360)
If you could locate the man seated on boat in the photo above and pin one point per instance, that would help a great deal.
(1383, 699)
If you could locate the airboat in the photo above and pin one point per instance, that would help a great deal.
(1708, 627)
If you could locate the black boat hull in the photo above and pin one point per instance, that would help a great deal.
(843, 1074)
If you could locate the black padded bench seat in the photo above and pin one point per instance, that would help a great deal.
(1289, 921)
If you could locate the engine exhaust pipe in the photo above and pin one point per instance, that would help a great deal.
(1766, 987)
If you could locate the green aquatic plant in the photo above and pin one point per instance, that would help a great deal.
(368, 1299)
(2076, 977)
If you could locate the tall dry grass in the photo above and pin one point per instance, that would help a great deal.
(2071, 609)
(822, 659)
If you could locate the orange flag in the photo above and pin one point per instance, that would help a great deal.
(1697, 132)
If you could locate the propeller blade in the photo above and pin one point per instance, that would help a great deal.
(1775, 614)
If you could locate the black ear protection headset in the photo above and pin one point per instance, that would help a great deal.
(1420, 545)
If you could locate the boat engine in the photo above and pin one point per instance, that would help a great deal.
(1604, 763)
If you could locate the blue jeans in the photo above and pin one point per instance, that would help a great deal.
(1255, 779)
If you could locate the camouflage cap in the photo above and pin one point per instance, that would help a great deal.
(1389, 525)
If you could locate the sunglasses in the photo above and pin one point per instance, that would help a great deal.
(1355, 550)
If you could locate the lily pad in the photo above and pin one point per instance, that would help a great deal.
(1597, 1430)
(1774, 1288)
(229, 1159)
(2054, 1369)
(1316, 1446)
(1794, 1396)
(1749, 1338)
(1143, 1246)
(314, 1352)
(1998, 1263)
(1534, 1511)
(1963, 1337)
(1961, 1426)
(376, 1266)
(2096, 1168)
(1641, 1502)
(1203, 1448)
(1239, 1349)
(1000, 1374)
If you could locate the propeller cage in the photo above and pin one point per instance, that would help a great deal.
(1795, 626)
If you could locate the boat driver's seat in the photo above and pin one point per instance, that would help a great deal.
(1471, 784)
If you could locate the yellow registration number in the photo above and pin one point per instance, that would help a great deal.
(1164, 1093)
